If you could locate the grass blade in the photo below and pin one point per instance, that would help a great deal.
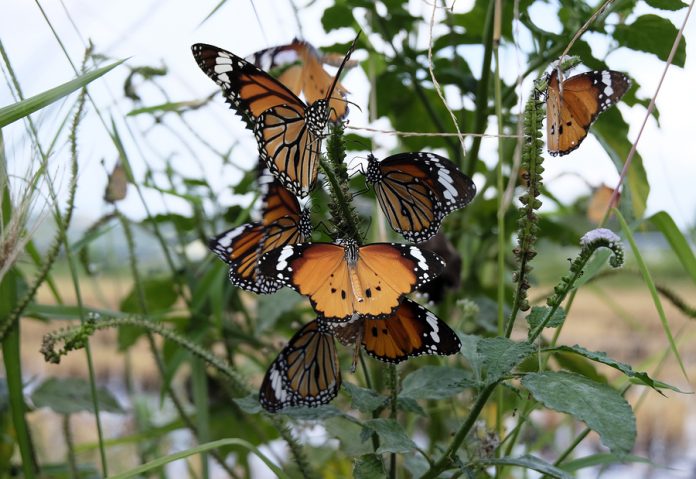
(651, 286)
(157, 463)
(664, 222)
(19, 110)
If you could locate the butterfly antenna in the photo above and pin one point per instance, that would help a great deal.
(340, 68)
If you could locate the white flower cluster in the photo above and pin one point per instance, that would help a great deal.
(599, 234)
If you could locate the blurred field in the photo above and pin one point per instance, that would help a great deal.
(614, 315)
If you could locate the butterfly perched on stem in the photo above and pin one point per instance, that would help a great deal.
(411, 331)
(305, 373)
(299, 67)
(573, 104)
(283, 222)
(288, 132)
(417, 190)
(342, 279)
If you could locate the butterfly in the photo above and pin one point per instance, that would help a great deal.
(300, 69)
(305, 373)
(411, 331)
(283, 222)
(572, 106)
(287, 131)
(117, 187)
(417, 190)
(342, 279)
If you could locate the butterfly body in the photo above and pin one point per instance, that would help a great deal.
(283, 223)
(305, 373)
(343, 279)
(417, 190)
(411, 331)
(574, 104)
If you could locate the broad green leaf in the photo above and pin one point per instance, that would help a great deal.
(349, 435)
(249, 404)
(19, 110)
(410, 405)
(601, 407)
(392, 436)
(72, 395)
(469, 350)
(272, 306)
(602, 459)
(159, 295)
(312, 413)
(501, 355)
(528, 462)
(364, 400)
(664, 222)
(538, 313)
(612, 133)
(652, 34)
(667, 4)
(416, 464)
(369, 466)
(337, 16)
(647, 277)
(601, 357)
(435, 382)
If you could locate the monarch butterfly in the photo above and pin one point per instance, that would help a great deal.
(302, 71)
(417, 190)
(283, 223)
(305, 373)
(411, 331)
(287, 131)
(572, 106)
(343, 279)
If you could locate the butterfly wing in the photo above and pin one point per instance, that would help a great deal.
(248, 89)
(305, 373)
(372, 287)
(411, 331)
(238, 248)
(290, 147)
(417, 190)
(572, 106)
(316, 83)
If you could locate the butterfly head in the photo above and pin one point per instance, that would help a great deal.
(351, 250)
(316, 117)
(373, 174)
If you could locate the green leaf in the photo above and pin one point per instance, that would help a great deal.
(667, 4)
(647, 277)
(369, 466)
(602, 459)
(612, 133)
(159, 294)
(435, 382)
(72, 395)
(392, 436)
(501, 355)
(364, 400)
(664, 222)
(312, 413)
(272, 306)
(338, 16)
(469, 350)
(602, 357)
(349, 435)
(601, 407)
(16, 111)
(528, 462)
(538, 313)
(652, 34)
(249, 403)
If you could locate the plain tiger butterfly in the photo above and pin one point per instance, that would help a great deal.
(573, 104)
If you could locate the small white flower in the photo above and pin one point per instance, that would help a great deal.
(599, 234)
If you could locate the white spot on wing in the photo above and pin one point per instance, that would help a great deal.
(432, 321)
(606, 79)
(418, 254)
(285, 253)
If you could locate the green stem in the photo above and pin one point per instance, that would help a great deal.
(447, 459)
(394, 389)
(70, 445)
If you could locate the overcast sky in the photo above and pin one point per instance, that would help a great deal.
(155, 32)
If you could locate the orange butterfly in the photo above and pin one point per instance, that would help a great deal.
(283, 223)
(572, 106)
(342, 279)
(411, 331)
(301, 70)
(287, 131)
(305, 373)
